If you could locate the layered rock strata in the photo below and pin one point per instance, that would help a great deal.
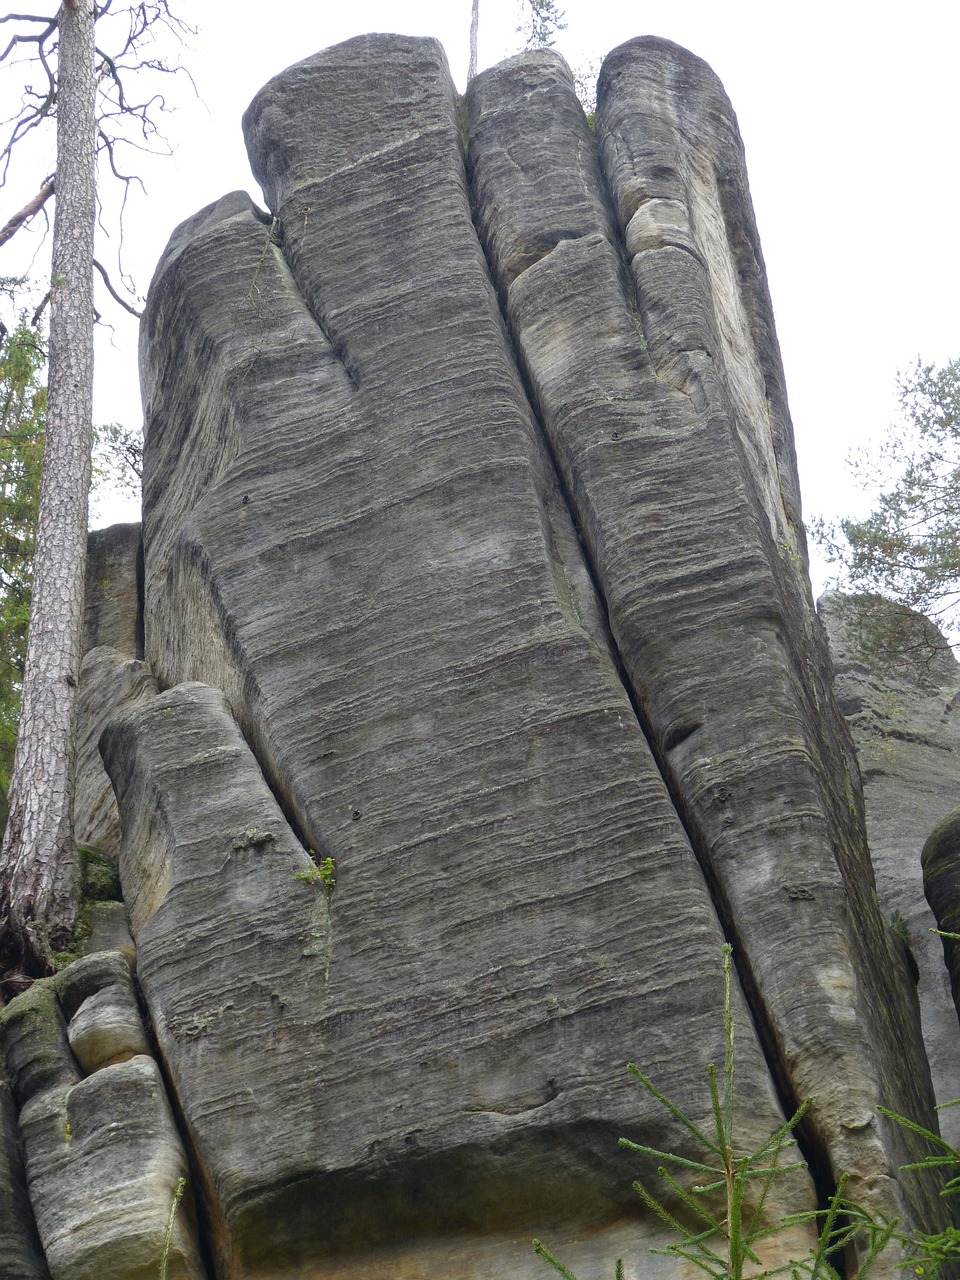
(905, 721)
(111, 607)
(102, 1154)
(482, 695)
(432, 696)
(665, 411)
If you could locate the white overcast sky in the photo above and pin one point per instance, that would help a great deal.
(849, 114)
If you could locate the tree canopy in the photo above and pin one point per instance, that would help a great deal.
(906, 552)
(542, 20)
(130, 101)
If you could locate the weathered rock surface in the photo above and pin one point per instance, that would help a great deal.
(101, 1150)
(515, 894)
(667, 390)
(941, 876)
(108, 677)
(482, 698)
(320, 1058)
(109, 681)
(111, 612)
(906, 726)
(112, 618)
(20, 1247)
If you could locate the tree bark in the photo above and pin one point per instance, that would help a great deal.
(474, 25)
(39, 871)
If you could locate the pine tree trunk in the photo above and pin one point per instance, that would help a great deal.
(39, 872)
(474, 24)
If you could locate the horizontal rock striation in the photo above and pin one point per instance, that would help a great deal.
(111, 612)
(315, 1065)
(107, 678)
(20, 1246)
(481, 698)
(111, 640)
(351, 527)
(101, 1151)
(906, 725)
(647, 343)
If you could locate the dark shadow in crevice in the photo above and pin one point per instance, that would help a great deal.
(810, 1142)
(203, 1195)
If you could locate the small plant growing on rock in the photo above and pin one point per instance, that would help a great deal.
(931, 1251)
(171, 1219)
(323, 874)
(900, 926)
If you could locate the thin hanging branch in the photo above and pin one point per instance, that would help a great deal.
(101, 271)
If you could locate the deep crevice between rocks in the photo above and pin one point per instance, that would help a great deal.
(212, 1231)
(811, 1148)
(204, 1198)
(276, 240)
(810, 1143)
(832, 756)
(241, 692)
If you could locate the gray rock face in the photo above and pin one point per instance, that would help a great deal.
(662, 398)
(111, 612)
(107, 678)
(20, 1246)
(112, 618)
(444, 720)
(906, 726)
(392, 1072)
(483, 694)
(101, 1150)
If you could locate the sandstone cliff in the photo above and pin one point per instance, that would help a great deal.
(474, 697)
(907, 733)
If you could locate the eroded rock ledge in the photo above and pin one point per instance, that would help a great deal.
(475, 697)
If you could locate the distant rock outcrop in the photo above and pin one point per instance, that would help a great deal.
(905, 720)
(473, 696)
(941, 877)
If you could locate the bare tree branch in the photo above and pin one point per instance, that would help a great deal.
(41, 307)
(122, 51)
(29, 209)
(113, 293)
(19, 38)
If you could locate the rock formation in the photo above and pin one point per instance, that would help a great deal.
(941, 876)
(473, 698)
(905, 721)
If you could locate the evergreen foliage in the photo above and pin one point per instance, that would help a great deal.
(905, 555)
(544, 19)
(721, 1220)
(22, 421)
